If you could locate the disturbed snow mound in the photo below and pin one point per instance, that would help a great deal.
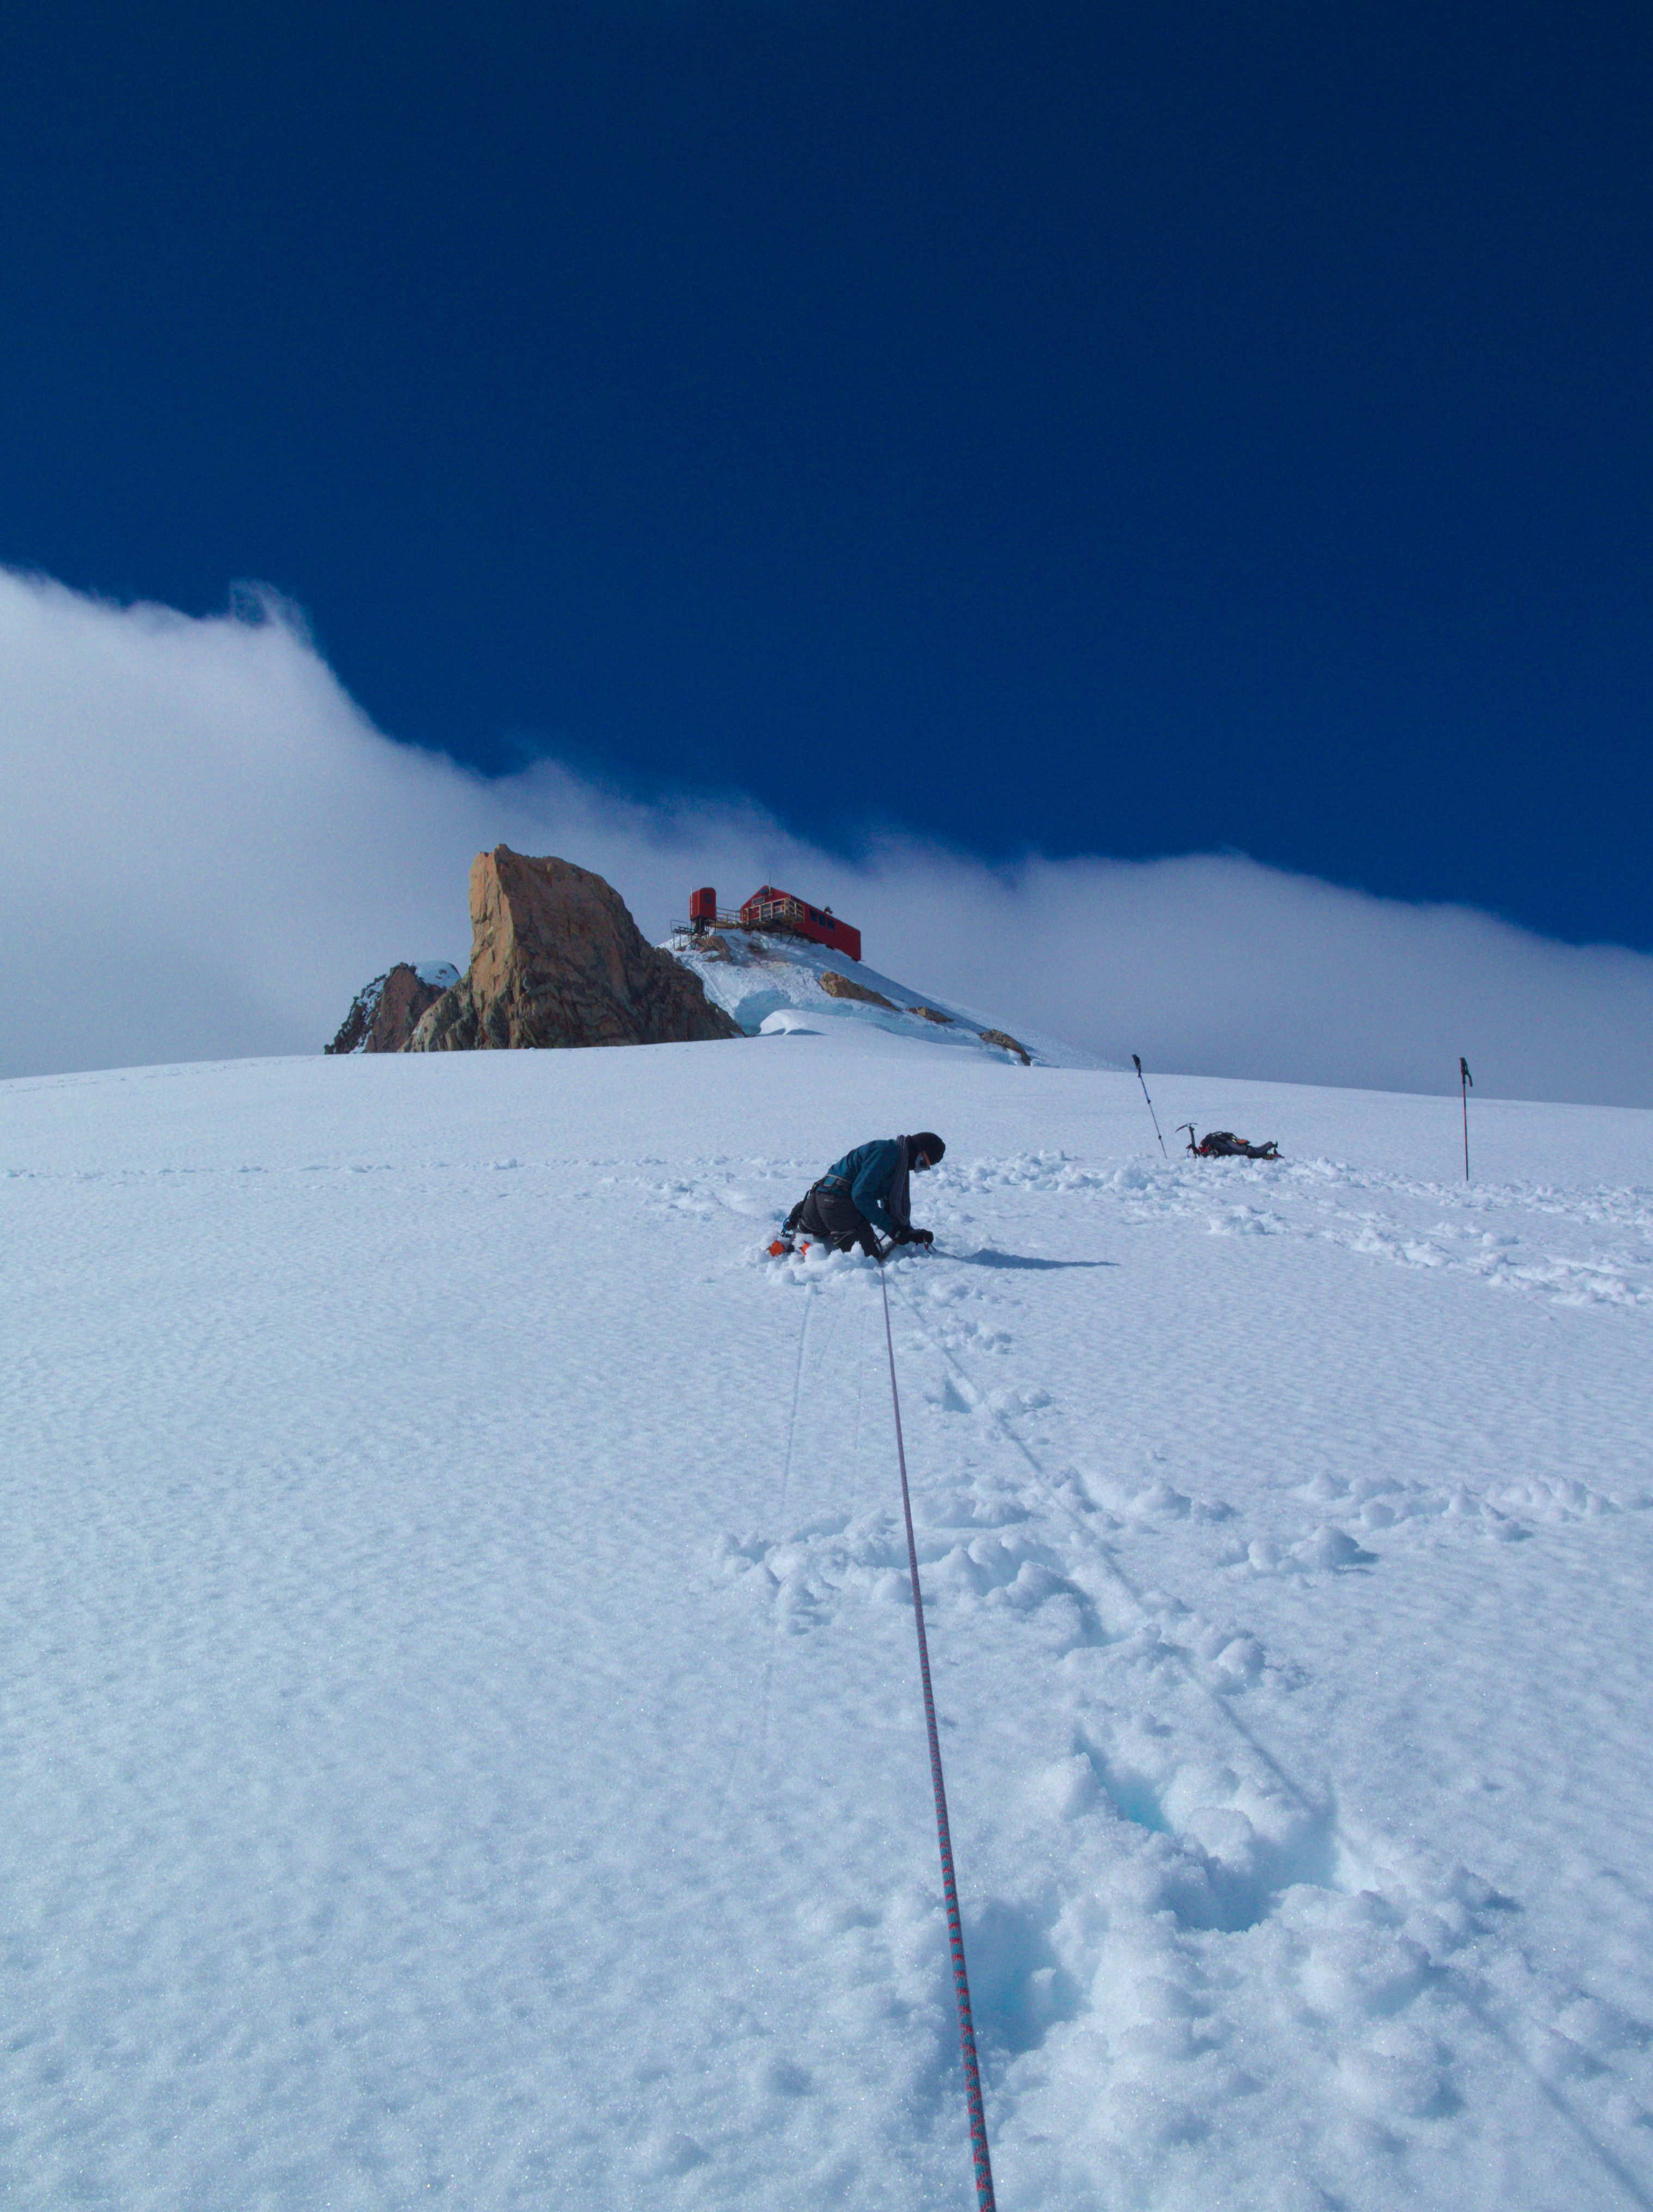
(556, 960)
(383, 1013)
(756, 978)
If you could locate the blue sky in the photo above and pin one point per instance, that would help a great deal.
(1051, 429)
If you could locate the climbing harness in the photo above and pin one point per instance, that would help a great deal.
(984, 2196)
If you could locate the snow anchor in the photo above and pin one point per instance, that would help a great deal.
(984, 2197)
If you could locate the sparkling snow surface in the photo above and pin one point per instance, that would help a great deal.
(462, 1740)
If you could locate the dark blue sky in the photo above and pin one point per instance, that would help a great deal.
(1041, 426)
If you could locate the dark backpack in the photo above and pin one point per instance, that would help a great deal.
(1224, 1145)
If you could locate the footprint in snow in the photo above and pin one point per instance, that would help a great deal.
(807, 1579)
(1325, 1550)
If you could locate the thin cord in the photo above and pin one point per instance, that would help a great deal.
(984, 2196)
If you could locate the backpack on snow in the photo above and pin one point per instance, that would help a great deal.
(1224, 1145)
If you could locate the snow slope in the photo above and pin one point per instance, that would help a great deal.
(461, 1736)
(777, 985)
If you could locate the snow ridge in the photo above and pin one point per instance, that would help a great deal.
(775, 985)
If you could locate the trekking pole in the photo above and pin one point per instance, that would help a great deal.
(1152, 1117)
(982, 2163)
(1467, 1086)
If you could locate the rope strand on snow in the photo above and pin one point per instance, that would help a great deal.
(984, 2196)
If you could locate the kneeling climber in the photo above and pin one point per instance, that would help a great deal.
(865, 1192)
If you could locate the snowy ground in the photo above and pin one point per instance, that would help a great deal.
(461, 1739)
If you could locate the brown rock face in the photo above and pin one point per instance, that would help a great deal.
(383, 1013)
(556, 960)
(845, 986)
(405, 998)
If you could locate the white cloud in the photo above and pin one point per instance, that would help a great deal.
(205, 847)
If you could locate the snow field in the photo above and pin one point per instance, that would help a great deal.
(462, 1727)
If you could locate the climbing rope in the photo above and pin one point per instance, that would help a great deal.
(984, 2196)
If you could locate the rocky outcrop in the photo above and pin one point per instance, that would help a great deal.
(385, 1013)
(555, 960)
(845, 986)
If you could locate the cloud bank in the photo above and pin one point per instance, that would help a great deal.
(206, 847)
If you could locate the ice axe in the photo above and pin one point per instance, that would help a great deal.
(888, 1244)
(1152, 1117)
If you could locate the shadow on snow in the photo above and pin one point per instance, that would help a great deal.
(987, 1257)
